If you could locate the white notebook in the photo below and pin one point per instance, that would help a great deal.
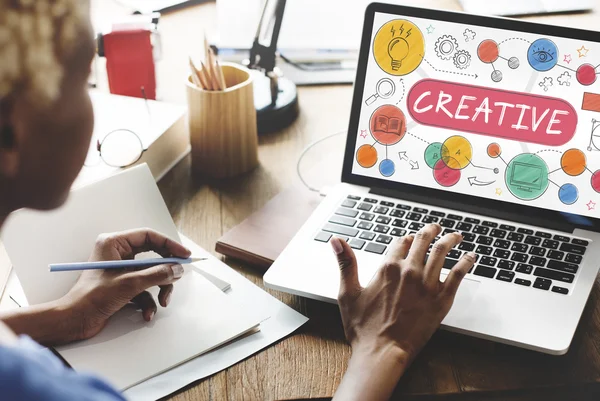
(129, 350)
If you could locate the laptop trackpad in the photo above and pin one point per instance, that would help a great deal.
(462, 302)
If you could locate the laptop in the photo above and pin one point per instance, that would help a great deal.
(525, 7)
(485, 126)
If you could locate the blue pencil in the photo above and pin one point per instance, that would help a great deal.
(121, 264)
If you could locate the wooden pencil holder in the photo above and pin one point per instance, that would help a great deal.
(223, 131)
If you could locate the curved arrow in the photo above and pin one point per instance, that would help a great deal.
(476, 182)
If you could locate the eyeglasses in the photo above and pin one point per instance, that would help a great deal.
(119, 148)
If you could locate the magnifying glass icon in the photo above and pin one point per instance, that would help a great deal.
(385, 89)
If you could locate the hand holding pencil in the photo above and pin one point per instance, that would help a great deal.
(210, 74)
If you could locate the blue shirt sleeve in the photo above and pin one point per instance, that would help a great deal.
(30, 372)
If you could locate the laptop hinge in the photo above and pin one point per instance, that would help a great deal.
(469, 208)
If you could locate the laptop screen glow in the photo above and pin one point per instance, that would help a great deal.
(492, 113)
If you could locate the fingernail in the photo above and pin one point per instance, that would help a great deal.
(177, 271)
(168, 298)
(472, 255)
(337, 246)
(152, 315)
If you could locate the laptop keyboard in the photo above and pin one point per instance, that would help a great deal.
(513, 254)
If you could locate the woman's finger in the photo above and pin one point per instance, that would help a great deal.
(153, 276)
(420, 245)
(145, 239)
(146, 303)
(164, 296)
(399, 248)
(437, 256)
(457, 273)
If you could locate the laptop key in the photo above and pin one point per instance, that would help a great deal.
(530, 240)
(562, 238)
(349, 203)
(384, 239)
(414, 216)
(489, 224)
(560, 290)
(371, 200)
(383, 220)
(537, 261)
(488, 261)
(537, 251)
(505, 275)
(342, 237)
(466, 246)
(375, 248)
(447, 223)
(519, 248)
(420, 210)
(507, 227)
(397, 213)
(551, 244)
(502, 253)
(357, 244)
(365, 206)
(554, 275)
(515, 237)
(323, 237)
(345, 221)
(556, 255)
(542, 284)
(502, 244)
(342, 211)
(580, 242)
(448, 231)
(563, 267)
(525, 231)
(484, 250)
(363, 225)
(400, 223)
(485, 240)
(464, 226)
(337, 229)
(381, 210)
(398, 232)
(367, 216)
(506, 264)
(385, 203)
(403, 207)
(354, 197)
(481, 230)
(573, 258)
(498, 233)
(369, 236)
(543, 234)
(570, 248)
(519, 257)
(485, 271)
(468, 237)
(471, 220)
(454, 254)
(381, 229)
(524, 268)
(437, 214)
(455, 217)
(430, 219)
(416, 226)
(520, 281)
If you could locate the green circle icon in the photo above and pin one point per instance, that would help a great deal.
(527, 176)
(433, 154)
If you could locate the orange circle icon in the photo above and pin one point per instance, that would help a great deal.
(488, 51)
(388, 125)
(494, 150)
(573, 162)
(366, 156)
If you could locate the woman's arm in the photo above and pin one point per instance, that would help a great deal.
(391, 320)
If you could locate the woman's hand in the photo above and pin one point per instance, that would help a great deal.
(98, 294)
(391, 320)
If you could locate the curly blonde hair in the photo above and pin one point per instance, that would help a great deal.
(36, 37)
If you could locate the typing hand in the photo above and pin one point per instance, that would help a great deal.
(98, 294)
(391, 320)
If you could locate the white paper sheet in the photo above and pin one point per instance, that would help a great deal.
(284, 321)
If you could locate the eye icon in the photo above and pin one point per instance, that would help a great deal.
(542, 55)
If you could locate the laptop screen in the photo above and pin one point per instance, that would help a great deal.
(475, 110)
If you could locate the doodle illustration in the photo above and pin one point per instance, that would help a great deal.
(488, 52)
(546, 83)
(469, 35)
(542, 55)
(399, 47)
(385, 89)
(445, 47)
(582, 51)
(564, 79)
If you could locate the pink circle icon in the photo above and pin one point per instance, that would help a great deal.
(444, 175)
(586, 74)
(596, 181)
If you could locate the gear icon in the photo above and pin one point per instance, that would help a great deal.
(445, 47)
(462, 59)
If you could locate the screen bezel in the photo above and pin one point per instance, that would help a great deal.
(436, 196)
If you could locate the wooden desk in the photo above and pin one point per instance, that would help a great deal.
(310, 363)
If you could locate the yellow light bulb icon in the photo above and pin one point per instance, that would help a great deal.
(399, 47)
(398, 51)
